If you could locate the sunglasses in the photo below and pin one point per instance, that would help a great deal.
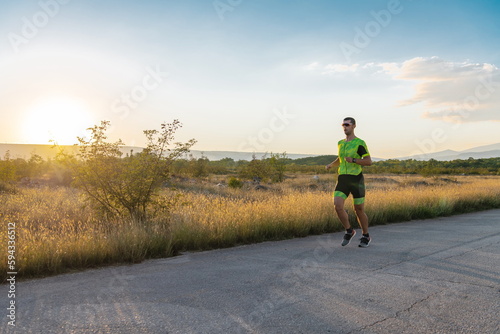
(346, 124)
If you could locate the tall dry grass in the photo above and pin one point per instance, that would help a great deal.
(221, 218)
(57, 231)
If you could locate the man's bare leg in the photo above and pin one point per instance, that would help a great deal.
(341, 213)
(362, 217)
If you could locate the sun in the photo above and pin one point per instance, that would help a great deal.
(60, 119)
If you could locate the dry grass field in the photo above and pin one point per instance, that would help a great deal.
(56, 230)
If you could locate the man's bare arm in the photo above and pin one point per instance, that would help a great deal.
(333, 164)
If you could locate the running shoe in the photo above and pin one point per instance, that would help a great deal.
(364, 241)
(348, 237)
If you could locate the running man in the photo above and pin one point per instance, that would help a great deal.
(353, 154)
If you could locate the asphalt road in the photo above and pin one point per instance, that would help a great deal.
(429, 276)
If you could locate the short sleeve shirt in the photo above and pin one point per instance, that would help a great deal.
(355, 148)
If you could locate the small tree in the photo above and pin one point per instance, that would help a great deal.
(127, 185)
(36, 166)
(62, 167)
(7, 169)
(278, 166)
(199, 167)
(256, 170)
(235, 183)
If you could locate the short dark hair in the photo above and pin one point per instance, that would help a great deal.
(353, 121)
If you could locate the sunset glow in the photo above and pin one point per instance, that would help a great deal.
(57, 119)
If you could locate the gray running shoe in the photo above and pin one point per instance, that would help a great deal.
(364, 241)
(348, 237)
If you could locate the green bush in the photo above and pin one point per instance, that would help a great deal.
(235, 183)
(127, 186)
(6, 187)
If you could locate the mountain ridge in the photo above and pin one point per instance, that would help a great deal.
(479, 152)
(25, 151)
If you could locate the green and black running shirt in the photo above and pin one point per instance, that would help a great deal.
(355, 148)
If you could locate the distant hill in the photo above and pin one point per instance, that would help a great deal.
(484, 148)
(219, 155)
(480, 152)
(25, 151)
(315, 161)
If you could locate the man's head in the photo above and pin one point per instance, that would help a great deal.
(349, 124)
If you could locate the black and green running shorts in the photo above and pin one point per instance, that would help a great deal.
(351, 184)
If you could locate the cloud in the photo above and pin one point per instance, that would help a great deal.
(368, 68)
(435, 68)
(340, 68)
(459, 115)
(454, 92)
(311, 66)
(450, 91)
(389, 68)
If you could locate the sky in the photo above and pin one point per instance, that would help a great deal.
(419, 76)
